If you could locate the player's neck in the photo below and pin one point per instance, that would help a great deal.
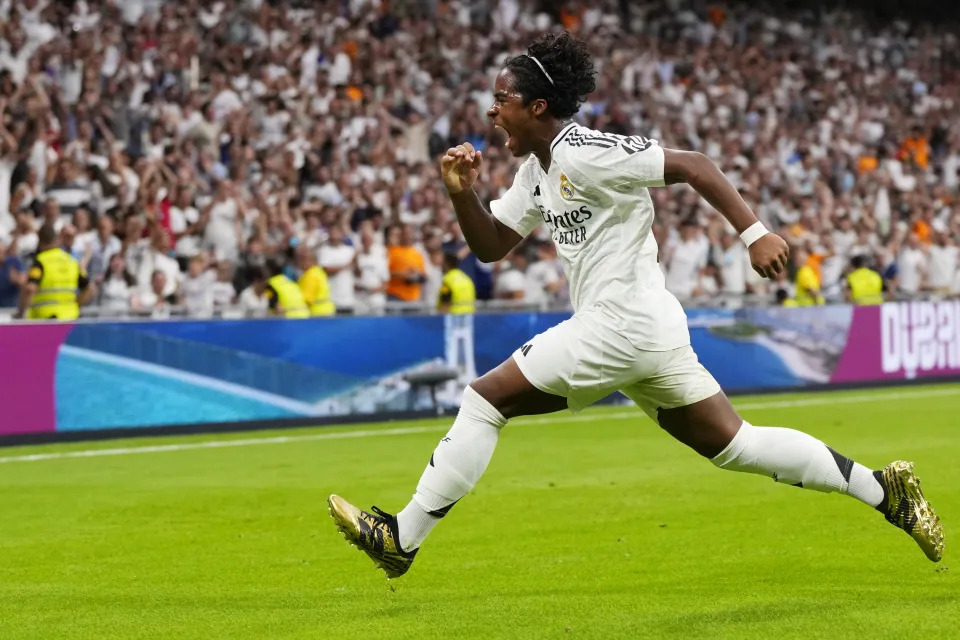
(544, 140)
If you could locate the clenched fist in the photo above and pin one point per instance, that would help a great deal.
(460, 167)
(768, 255)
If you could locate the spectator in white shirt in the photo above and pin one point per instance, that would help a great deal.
(913, 266)
(708, 283)
(866, 244)
(511, 281)
(844, 237)
(373, 273)
(221, 221)
(415, 211)
(433, 264)
(323, 187)
(686, 257)
(222, 290)
(944, 262)
(734, 261)
(313, 234)
(157, 258)
(135, 244)
(24, 234)
(337, 259)
(545, 279)
(196, 291)
(273, 124)
(8, 163)
(118, 290)
(154, 300)
(25, 193)
(184, 219)
(225, 100)
(251, 302)
(83, 244)
(831, 269)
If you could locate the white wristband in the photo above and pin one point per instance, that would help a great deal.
(753, 233)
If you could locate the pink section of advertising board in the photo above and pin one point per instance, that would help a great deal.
(28, 358)
(902, 341)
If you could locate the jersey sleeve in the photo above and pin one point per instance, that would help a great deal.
(620, 163)
(516, 208)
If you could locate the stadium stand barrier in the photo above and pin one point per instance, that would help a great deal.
(393, 307)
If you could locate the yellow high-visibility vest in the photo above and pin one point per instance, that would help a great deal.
(289, 297)
(315, 287)
(866, 286)
(58, 276)
(807, 282)
(458, 291)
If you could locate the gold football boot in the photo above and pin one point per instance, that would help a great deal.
(905, 507)
(375, 534)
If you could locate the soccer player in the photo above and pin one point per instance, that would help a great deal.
(627, 333)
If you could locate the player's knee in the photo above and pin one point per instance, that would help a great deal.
(705, 431)
(486, 389)
(507, 390)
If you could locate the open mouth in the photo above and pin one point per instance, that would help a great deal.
(509, 143)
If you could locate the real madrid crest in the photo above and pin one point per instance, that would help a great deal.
(566, 188)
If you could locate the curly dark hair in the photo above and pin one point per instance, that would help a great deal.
(567, 60)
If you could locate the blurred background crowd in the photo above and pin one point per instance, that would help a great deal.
(178, 147)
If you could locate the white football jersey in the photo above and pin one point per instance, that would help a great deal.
(595, 202)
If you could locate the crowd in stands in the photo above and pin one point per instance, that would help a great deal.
(177, 146)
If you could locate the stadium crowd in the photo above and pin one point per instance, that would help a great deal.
(178, 147)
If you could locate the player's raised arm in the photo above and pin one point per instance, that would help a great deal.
(768, 251)
(489, 239)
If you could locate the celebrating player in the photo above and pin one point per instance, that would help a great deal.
(627, 333)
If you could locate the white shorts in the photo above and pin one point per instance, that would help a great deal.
(585, 359)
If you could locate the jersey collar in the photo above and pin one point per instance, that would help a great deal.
(560, 136)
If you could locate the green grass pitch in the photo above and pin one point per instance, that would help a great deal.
(594, 526)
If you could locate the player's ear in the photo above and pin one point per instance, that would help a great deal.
(538, 107)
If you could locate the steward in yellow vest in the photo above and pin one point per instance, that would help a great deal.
(784, 299)
(53, 282)
(865, 285)
(282, 293)
(457, 293)
(808, 279)
(314, 284)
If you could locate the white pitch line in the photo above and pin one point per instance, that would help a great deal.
(399, 431)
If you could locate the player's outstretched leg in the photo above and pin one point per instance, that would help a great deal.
(714, 430)
(455, 467)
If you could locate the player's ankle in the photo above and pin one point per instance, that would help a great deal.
(882, 507)
(414, 524)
